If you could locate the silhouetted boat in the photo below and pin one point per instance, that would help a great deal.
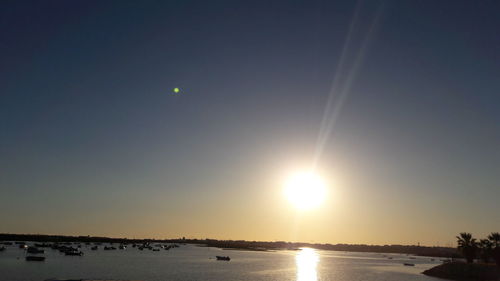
(94, 248)
(73, 253)
(35, 258)
(65, 249)
(69, 280)
(409, 264)
(223, 258)
(35, 250)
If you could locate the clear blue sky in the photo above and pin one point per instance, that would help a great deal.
(93, 141)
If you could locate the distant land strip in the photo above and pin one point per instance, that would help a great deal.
(247, 245)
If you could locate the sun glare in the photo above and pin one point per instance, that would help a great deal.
(307, 262)
(305, 190)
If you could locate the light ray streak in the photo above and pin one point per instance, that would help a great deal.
(341, 84)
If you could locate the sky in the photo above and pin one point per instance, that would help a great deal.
(394, 103)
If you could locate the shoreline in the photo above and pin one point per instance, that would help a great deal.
(465, 272)
(441, 252)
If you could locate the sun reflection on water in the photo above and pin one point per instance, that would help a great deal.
(307, 261)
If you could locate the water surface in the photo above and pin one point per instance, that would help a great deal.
(190, 262)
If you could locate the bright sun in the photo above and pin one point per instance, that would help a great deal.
(305, 190)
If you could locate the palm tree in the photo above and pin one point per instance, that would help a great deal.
(486, 249)
(467, 245)
(494, 237)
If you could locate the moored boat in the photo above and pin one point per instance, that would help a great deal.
(35, 250)
(73, 253)
(35, 258)
(223, 258)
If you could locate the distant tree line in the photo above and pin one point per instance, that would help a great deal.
(247, 245)
(282, 245)
(82, 239)
(486, 249)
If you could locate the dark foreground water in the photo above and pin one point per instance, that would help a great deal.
(189, 262)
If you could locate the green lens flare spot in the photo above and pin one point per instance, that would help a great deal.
(176, 90)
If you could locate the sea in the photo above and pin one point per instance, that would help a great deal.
(194, 262)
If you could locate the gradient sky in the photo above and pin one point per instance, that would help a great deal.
(94, 142)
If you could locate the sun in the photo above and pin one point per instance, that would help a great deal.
(305, 190)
